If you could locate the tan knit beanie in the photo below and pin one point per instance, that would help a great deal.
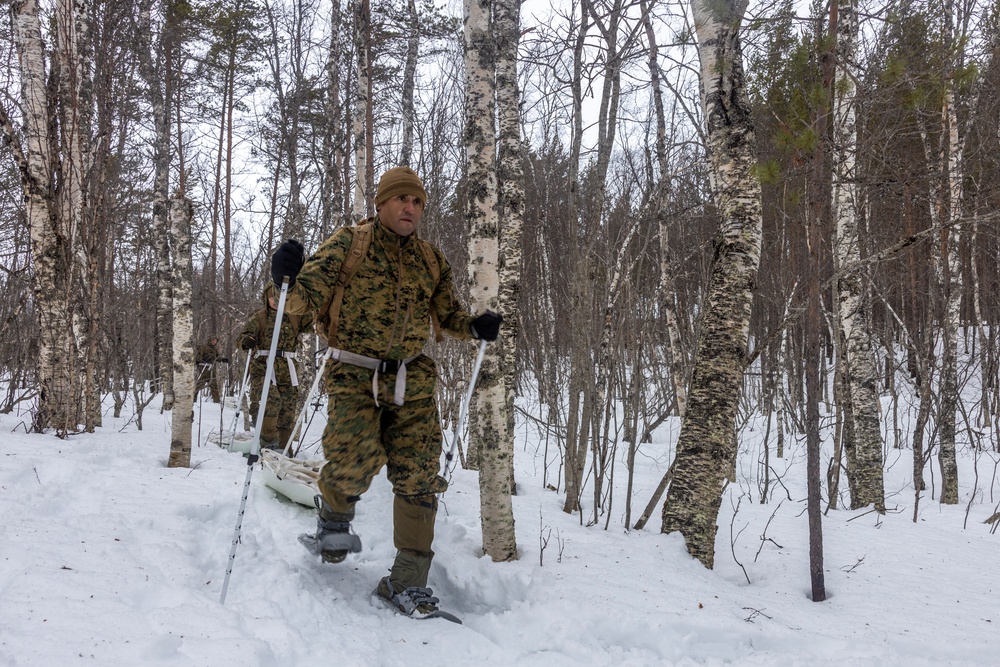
(399, 181)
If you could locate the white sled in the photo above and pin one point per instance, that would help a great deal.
(296, 480)
(241, 441)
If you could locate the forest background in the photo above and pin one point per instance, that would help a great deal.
(173, 144)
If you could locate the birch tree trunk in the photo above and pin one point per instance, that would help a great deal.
(81, 182)
(333, 147)
(511, 192)
(362, 109)
(675, 353)
(608, 21)
(225, 106)
(289, 94)
(74, 97)
(158, 93)
(489, 428)
(227, 199)
(181, 211)
(581, 381)
(50, 220)
(951, 280)
(409, 74)
(705, 448)
(864, 468)
(661, 197)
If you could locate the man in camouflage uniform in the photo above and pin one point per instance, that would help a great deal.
(207, 355)
(282, 398)
(382, 410)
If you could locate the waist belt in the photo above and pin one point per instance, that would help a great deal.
(397, 366)
(289, 356)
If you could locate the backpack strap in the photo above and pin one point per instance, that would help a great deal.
(435, 268)
(360, 242)
(262, 326)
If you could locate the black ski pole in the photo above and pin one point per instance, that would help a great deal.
(255, 445)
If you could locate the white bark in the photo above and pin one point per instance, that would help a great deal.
(511, 185)
(362, 26)
(952, 284)
(488, 430)
(333, 148)
(52, 236)
(183, 326)
(705, 448)
(865, 461)
(157, 89)
(409, 75)
(581, 381)
(675, 353)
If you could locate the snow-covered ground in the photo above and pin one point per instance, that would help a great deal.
(107, 557)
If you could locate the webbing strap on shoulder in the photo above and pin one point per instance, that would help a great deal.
(435, 267)
(360, 241)
(261, 314)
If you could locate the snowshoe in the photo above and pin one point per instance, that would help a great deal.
(413, 602)
(333, 539)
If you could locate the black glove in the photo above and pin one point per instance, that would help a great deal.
(486, 326)
(249, 343)
(287, 261)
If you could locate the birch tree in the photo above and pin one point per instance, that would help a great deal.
(489, 428)
(363, 114)
(510, 178)
(705, 447)
(287, 59)
(949, 274)
(334, 158)
(409, 74)
(581, 381)
(180, 214)
(609, 19)
(52, 150)
(946, 182)
(661, 198)
(159, 92)
(864, 458)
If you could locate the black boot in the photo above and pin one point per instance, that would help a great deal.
(333, 532)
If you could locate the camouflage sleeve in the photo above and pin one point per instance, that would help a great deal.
(319, 274)
(249, 330)
(203, 355)
(306, 323)
(454, 319)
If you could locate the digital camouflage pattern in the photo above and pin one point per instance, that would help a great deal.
(283, 396)
(386, 309)
(385, 314)
(206, 355)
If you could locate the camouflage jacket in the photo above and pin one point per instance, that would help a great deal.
(261, 325)
(386, 312)
(206, 353)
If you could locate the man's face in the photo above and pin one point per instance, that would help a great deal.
(401, 214)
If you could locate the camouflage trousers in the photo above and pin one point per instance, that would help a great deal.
(282, 399)
(362, 437)
(207, 377)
